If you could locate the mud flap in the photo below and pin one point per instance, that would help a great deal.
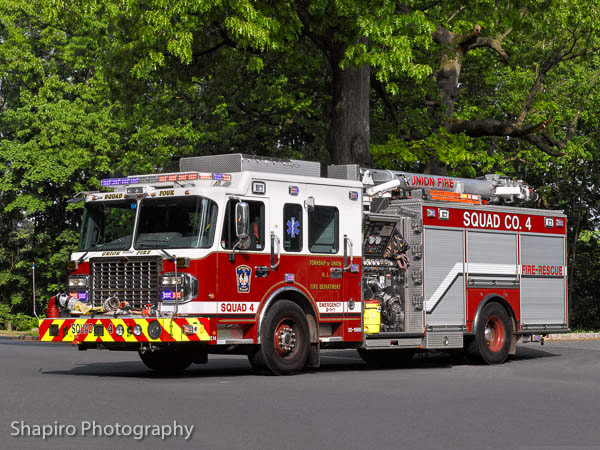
(314, 356)
(512, 351)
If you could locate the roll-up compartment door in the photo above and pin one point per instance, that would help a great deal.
(543, 280)
(492, 259)
(444, 277)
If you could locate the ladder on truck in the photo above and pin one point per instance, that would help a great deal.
(380, 183)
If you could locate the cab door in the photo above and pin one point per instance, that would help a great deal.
(351, 237)
(241, 280)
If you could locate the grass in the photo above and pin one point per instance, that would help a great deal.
(18, 333)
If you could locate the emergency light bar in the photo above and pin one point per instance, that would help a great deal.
(458, 197)
(164, 178)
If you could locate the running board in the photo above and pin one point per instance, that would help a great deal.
(394, 343)
(394, 334)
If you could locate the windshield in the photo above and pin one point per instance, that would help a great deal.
(176, 222)
(107, 225)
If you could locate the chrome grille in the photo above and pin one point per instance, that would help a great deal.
(131, 280)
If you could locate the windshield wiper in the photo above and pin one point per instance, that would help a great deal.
(150, 244)
(171, 257)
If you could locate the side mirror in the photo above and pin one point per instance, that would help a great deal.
(242, 220)
(309, 204)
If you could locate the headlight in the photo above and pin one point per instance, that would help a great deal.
(154, 329)
(137, 330)
(182, 287)
(120, 330)
(169, 279)
(79, 281)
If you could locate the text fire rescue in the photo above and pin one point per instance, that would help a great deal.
(476, 219)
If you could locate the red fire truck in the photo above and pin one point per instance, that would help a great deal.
(265, 257)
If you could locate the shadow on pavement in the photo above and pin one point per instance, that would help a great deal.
(526, 352)
(342, 361)
(134, 369)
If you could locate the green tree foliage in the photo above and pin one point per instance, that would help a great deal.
(58, 131)
(90, 89)
(322, 50)
(514, 78)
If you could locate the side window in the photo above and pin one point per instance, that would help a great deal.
(323, 230)
(257, 227)
(292, 226)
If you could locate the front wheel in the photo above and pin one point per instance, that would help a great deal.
(166, 361)
(492, 338)
(285, 340)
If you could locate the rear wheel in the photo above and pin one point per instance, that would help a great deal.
(285, 340)
(166, 361)
(387, 358)
(492, 338)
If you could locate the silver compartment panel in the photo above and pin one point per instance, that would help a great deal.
(450, 310)
(238, 162)
(443, 340)
(543, 297)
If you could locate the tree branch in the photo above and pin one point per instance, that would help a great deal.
(555, 59)
(455, 13)
(535, 88)
(542, 144)
(324, 43)
(492, 127)
(495, 43)
(578, 114)
(384, 97)
(471, 38)
(491, 43)
(444, 36)
(212, 49)
(226, 41)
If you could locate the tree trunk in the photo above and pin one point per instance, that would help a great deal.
(448, 76)
(454, 47)
(348, 135)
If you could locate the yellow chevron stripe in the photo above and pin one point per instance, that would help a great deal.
(169, 325)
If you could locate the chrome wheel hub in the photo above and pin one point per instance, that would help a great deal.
(286, 339)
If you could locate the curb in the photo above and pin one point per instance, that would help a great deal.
(20, 337)
(551, 337)
(573, 337)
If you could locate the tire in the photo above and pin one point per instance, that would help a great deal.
(166, 362)
(256, 362)
(285, 340)
(387, 358)
(491, 343)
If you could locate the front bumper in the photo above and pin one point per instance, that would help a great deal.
(104, 330)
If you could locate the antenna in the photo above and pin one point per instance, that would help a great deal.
(33, 280)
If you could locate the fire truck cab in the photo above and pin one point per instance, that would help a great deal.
(265, 257)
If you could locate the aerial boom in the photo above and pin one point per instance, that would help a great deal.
(494, 188)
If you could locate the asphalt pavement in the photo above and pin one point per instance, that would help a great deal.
(548, 397)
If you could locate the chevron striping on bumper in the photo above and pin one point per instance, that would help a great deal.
(82, 330)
